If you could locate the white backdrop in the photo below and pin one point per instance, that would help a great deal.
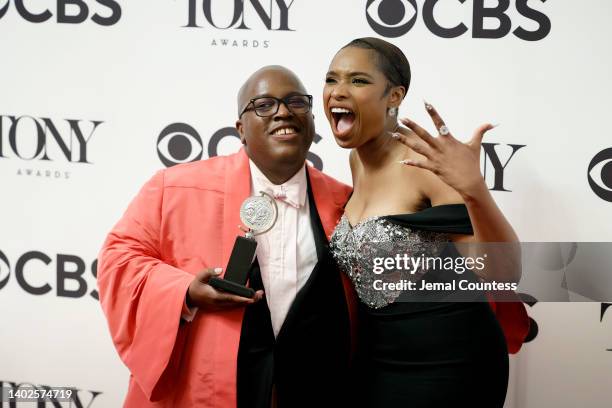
(122, 82)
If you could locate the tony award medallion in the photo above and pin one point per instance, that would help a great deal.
(258, 214)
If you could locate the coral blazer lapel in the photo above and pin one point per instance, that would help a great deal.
(237, 187)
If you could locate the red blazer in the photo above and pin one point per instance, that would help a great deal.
(183, 220)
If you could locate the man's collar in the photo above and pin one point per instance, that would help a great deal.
(261, 182)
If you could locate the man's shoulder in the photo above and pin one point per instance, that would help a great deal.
(203, 174)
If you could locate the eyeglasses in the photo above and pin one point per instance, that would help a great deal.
(268, 105)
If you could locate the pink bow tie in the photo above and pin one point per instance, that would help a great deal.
(289, 194)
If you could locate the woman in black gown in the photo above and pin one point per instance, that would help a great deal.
(412, 191)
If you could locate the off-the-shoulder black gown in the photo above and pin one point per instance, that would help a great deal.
(432, 354)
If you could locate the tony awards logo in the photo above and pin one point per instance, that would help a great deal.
(258, 214)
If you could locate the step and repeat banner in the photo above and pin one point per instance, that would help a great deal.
(96, 95)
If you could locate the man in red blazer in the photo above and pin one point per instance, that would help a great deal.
(189, 345)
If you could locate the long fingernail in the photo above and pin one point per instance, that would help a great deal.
(427, 105)
(495, 125)
(218, 270)
(405, 161)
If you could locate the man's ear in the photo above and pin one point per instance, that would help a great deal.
(240, 129)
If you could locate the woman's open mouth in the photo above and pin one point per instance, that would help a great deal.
(343, 120)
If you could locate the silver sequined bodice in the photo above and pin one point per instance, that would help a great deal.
(354, 249)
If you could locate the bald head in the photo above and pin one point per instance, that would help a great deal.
(250, 88)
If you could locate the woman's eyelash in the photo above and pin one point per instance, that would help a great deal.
(354, 80)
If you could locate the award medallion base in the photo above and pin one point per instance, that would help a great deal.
(238, 267)
(231, 287)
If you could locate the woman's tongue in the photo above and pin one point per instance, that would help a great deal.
(345, 122)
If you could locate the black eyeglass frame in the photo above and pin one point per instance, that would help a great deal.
(278, 102)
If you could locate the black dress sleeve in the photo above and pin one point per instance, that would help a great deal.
(449, 218)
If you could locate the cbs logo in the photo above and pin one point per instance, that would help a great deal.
(66, 11)
(599, 174)
(391, 18)
(394, 18)
(179, 143)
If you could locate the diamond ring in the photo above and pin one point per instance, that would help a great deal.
(443, 130)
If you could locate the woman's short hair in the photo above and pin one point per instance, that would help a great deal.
(390, 59)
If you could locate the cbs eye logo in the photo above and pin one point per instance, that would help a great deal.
(179, 143)
(600, 174)
(391, 18)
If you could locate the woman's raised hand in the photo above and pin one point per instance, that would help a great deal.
(455, 163)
